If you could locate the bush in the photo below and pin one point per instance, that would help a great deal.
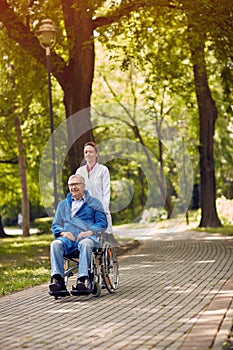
(43, 225)
(224, 209)
(153, 214)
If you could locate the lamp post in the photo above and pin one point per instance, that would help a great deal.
(47, 38)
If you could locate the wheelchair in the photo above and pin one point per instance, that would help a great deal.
(103, 271)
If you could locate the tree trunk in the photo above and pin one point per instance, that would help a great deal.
(23, 178)
(142, 196)
(207, 117)
(2, 232)
(168, 204)
(77, 83)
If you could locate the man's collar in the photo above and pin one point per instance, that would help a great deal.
(78, 200)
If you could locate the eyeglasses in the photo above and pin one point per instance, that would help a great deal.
(76, 184)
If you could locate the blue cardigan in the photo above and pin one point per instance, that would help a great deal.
(90, 216)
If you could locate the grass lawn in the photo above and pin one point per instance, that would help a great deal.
(24, 262)
(225, 230)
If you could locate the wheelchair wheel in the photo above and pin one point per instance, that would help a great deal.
(94, 277)
(96, 290)
(110, 268)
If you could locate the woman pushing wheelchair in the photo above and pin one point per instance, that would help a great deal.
(78, 220)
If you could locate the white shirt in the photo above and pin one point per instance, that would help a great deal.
(76, 204)
(97, 183)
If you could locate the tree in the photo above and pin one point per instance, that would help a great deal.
(73, 66)
(200, 29)
(11, 87)
(24, 126)
(199, 23)
(133, 124)
(208, 115)
(21, 155)
(2, 232)
(73, 62)
(23, 176)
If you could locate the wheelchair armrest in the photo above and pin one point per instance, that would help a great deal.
(103, 235)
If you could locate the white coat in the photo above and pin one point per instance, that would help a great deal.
(98, 185)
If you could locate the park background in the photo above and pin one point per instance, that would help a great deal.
(173, 59)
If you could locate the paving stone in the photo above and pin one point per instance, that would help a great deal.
(173, 294)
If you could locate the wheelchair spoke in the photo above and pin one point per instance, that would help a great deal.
(110, 268)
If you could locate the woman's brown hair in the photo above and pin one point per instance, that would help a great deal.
(92, 144)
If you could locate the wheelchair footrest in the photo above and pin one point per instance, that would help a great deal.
(60, 293)
(75, 291)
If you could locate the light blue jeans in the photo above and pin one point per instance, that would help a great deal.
(60, 247)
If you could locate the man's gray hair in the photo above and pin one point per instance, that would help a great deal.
(77, 176)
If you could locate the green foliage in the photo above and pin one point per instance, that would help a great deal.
(43, 225)
(25, 95)
(153, 215)
(149, 66)
(224, 207)
(153, 43)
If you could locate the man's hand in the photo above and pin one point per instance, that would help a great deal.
(85, 234)
(68, 235)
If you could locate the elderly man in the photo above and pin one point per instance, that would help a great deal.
(76, 224)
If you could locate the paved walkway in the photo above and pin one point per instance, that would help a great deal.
(175, 293)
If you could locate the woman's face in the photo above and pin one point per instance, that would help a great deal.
(90, 154)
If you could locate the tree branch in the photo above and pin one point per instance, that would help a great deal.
(20, 33)
(9, 161)
(126, 8)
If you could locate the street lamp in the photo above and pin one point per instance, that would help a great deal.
(47, 38)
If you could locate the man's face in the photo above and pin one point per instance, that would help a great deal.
(76, 187)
